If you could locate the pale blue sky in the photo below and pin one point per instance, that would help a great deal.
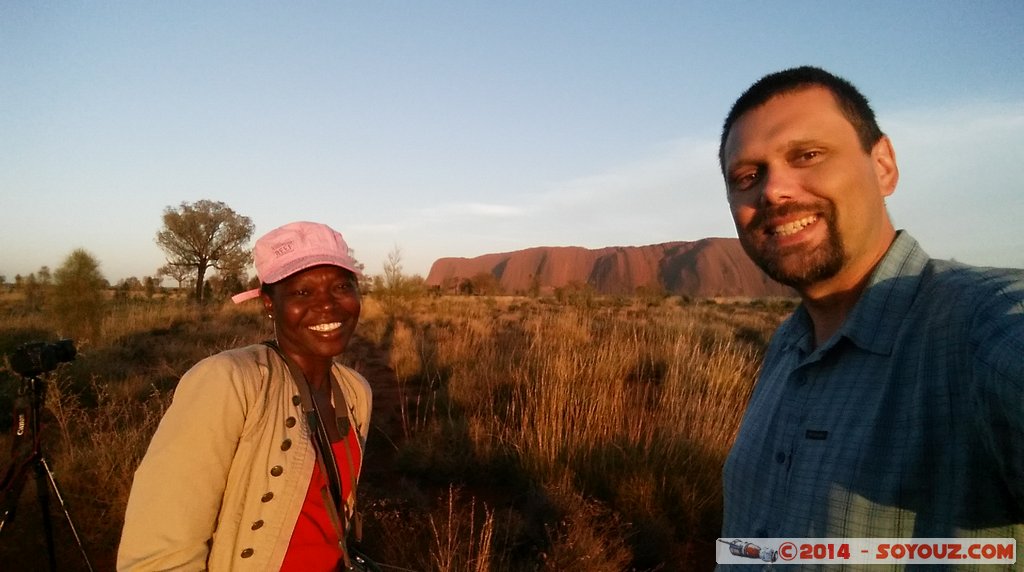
(464, 128)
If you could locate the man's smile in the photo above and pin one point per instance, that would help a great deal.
(792, 227)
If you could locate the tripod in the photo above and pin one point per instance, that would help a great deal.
(26, 453)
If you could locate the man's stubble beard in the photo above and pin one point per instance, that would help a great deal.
(815, 265)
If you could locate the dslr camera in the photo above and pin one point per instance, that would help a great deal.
(35, 358)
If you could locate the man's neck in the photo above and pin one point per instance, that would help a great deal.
(829, 303)
(829, 312)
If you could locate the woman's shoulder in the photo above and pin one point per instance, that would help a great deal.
(245, 356)
(243, 365)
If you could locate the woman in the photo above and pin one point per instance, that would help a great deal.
(232, 478)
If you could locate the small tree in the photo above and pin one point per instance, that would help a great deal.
(534, 290)
(34, 291)
(576, 293)
(652, 294)
(393, 277)
(122, 291)
(78, 295)
(365, 282)
(44, 277)
(203, 235)
(485, 284)
(181, 274)
(150, 285)
(395, 289)
(130, 284)
(226, 284)
(125, 287)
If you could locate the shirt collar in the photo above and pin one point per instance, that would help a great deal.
(874, 320)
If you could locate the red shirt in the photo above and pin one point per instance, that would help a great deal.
(314, 543)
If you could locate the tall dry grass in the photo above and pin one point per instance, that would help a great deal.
(603, 427)
(530, 434)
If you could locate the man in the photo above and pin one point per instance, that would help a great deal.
(891, 403)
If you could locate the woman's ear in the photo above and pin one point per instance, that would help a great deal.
(268, 304)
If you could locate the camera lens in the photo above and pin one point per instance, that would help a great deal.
(64, 351)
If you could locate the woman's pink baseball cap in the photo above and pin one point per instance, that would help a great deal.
(294, 247)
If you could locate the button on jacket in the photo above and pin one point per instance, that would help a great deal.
(225, 475)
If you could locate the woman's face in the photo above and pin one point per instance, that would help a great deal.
(315, 312)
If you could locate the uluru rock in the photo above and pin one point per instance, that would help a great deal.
(702, 268)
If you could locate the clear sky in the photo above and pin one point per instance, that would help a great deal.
(465, 128)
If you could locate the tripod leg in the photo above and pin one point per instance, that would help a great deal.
(14, 482)
(67, 515)
(43, 491)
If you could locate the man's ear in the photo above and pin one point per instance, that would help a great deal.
(883, 158)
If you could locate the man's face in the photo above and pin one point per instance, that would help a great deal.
(807, 200)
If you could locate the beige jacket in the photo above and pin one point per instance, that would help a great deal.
(224, 478)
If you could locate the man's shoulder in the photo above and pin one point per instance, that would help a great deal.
(908, 270)
(983, 305)
(945, 281)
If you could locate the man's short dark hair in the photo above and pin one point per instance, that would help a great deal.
(851, 101)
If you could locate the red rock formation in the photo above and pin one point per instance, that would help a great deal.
(704, 268)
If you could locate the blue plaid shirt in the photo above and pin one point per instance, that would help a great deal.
(908, 422)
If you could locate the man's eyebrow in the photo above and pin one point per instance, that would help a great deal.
(805, 142)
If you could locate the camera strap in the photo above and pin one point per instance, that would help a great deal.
(338, 509)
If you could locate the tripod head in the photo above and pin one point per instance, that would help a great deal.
(30, 361)
(36, 358)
